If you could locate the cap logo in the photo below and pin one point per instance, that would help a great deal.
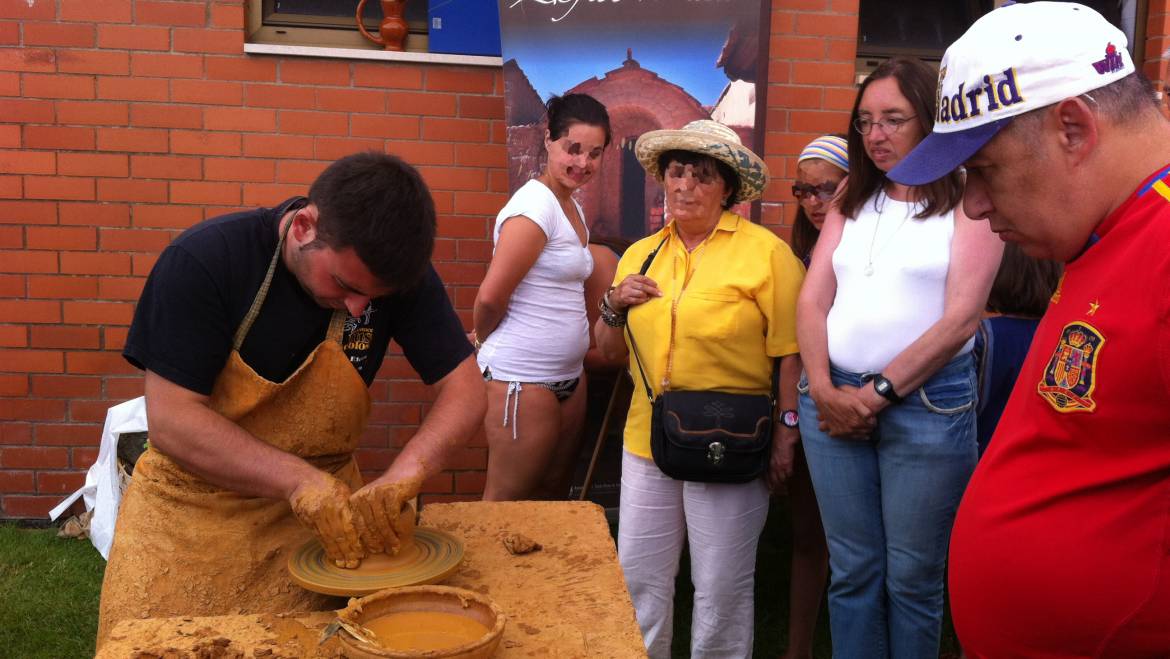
(993, 94)
(1111, 63)
(942, 74)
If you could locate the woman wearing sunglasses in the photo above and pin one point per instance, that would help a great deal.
(819, 171)
(886, 321)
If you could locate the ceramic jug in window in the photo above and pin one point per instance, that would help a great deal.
(393, 27)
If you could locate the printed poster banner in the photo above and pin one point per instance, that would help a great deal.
(653, 63)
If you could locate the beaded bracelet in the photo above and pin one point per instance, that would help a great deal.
(609, 315)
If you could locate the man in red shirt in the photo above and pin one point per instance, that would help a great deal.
(1061, 547)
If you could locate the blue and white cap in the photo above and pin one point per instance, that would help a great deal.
(1015, 59)
(830, 148)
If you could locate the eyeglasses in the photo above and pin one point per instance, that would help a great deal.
(888, 126)
(677, 171)
(823, 192)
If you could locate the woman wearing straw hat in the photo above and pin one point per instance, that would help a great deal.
(715, 306)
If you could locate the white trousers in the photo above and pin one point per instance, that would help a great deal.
(723, 523)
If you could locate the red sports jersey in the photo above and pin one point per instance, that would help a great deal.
(1061, 546)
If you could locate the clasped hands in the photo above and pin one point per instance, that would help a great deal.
(353, 525)
(848, 412)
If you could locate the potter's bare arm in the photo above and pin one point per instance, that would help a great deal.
(454, 417)
(203, 442)
(456, 414)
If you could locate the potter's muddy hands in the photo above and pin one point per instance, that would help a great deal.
(379, 506)
(322, 504)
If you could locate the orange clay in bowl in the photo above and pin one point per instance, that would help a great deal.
(435, 622)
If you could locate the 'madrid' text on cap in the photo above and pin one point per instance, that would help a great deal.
(992, 94)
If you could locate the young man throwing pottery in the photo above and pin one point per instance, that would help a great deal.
(260, 332)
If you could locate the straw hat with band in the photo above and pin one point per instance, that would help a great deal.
(708, 138)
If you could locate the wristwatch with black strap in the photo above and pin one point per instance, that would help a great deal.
(885, 388)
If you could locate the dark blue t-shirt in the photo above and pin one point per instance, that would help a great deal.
(1001, 344)
(203, 283)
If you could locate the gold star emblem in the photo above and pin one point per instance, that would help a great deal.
(1093, 306)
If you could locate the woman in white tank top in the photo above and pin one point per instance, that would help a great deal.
(531, 330)
(885, 320)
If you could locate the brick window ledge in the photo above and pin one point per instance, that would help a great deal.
(366, 54)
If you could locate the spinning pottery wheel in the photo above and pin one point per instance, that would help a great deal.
(432, 556)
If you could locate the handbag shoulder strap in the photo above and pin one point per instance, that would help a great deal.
(773, 391)
(630, 334)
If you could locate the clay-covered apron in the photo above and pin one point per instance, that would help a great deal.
(184, 547)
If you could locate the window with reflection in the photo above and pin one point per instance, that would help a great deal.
(924, 28)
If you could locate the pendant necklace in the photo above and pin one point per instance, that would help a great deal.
(876, 225)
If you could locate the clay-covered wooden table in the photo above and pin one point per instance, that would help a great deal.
(566, 600)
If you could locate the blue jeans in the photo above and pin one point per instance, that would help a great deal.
(888, 504)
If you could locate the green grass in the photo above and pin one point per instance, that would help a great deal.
(49, 590)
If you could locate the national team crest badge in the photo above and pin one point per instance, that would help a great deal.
(1071, 374)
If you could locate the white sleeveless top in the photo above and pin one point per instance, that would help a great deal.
(544, 334)
(875, 316)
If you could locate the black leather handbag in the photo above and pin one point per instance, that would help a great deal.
(709, 436)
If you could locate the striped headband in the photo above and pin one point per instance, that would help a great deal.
(830, 148)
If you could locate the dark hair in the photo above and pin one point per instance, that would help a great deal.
(1023, 285)
(917, 82)
(379, 205)
(1125, 99)
(564, 111)
(703, 163)
(804, 233)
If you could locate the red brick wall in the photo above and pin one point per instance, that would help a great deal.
(124, 121)
(810, 89)
(1157, 42)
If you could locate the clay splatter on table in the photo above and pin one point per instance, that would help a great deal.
(566, 600)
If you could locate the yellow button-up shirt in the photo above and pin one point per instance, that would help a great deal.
(726, 307)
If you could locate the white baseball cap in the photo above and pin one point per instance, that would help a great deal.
(1013, 60)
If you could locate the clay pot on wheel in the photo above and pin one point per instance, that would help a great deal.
(392, 31)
